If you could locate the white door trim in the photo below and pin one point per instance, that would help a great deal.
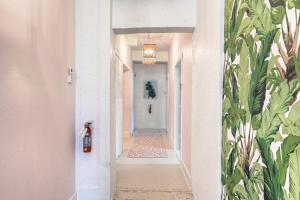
(178, 107)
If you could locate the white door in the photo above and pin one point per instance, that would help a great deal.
(150, 96)
(177, 108)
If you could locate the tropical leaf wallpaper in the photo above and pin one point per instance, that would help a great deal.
(261, 100)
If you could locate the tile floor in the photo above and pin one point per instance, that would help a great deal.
(151, 182)
(151, 179)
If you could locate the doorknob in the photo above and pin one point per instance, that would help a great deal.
(150, 109)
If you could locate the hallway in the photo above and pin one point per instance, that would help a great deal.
(80, 81)
(152, 151)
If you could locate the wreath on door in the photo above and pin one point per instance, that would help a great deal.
(150, 89)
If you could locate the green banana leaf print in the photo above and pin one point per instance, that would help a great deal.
(261, 100)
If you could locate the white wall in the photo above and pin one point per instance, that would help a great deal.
(132, 14)
(123, 57)
(127, 102)
(95, 172)
(37, 105)
(181, 48)
(206, 100)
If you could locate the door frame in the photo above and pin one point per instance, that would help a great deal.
(134, 63)
(178, 107)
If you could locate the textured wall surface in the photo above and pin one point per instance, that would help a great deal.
(37, 159)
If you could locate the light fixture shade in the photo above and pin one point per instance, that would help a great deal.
(149, 61)
(149, 51)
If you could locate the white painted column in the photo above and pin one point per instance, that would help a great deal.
(94, 179)
(207, 100)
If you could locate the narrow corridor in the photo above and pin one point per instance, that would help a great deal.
(153, 136)
(79, 80)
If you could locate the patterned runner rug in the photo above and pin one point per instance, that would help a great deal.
(148, 146)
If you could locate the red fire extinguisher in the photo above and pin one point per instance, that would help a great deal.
(87, 137)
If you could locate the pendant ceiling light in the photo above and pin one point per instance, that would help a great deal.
(149, 51)
(149, 54)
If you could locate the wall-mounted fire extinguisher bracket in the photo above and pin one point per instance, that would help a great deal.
(86, 134)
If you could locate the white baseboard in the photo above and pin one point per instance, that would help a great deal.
(186, 174)
(74, 196)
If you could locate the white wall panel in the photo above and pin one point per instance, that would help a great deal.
(131, 14)
(95, 100)
(207, 100)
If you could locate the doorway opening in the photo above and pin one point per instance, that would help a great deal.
(177, 109)
(150, 97)
(148, 112)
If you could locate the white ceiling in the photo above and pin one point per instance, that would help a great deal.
(162, 40)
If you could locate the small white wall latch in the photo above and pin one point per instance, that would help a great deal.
(70, 74)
